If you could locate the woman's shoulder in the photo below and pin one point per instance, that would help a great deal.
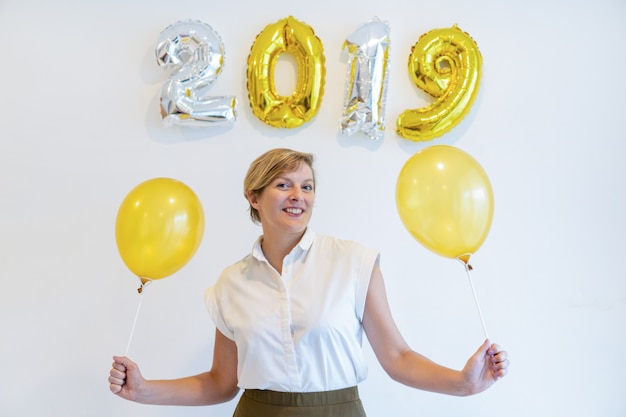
(334, 243)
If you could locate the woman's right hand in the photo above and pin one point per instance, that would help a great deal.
(125, 379)
(215, 386)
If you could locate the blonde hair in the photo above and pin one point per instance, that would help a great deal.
(267, 167)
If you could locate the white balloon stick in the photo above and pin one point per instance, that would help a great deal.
(468, 268)
(132, 330)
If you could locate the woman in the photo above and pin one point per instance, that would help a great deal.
(290, 318)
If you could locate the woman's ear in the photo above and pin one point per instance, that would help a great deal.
(252, 198)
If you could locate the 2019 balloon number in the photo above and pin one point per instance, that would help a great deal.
(445, 63)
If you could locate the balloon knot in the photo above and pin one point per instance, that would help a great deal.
(144, 283)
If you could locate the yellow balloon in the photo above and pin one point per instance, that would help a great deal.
(447, 64)
(159, 227)
(286, 36)
(445, 201)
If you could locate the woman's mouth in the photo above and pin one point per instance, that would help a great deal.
(293, 210)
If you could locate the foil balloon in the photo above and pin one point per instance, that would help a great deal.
(445, 201)
(159, 227)
(293, 37)
(447, 64)
(366, 79)
(193, 54)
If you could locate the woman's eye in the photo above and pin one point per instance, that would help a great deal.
(281, 185)
(308, 187)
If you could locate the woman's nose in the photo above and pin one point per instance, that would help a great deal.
(295, 195)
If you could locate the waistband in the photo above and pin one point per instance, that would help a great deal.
(304, 399)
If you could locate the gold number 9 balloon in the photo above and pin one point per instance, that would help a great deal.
(445, 201)
(286, 36)
(447, 64)
(159, 227)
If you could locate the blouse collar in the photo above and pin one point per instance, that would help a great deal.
(303, 245)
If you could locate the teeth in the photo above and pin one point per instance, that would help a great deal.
(294, 210)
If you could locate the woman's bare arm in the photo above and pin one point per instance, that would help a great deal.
(404, 365)
(215, 386)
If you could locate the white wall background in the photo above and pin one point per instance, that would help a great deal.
(80, 127)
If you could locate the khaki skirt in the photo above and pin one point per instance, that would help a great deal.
(264, 403)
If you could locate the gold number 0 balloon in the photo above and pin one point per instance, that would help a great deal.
(447, 64)
(286, 36)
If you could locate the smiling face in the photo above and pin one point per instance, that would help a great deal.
(285, 205)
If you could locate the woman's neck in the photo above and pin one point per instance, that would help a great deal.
(276, 247)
